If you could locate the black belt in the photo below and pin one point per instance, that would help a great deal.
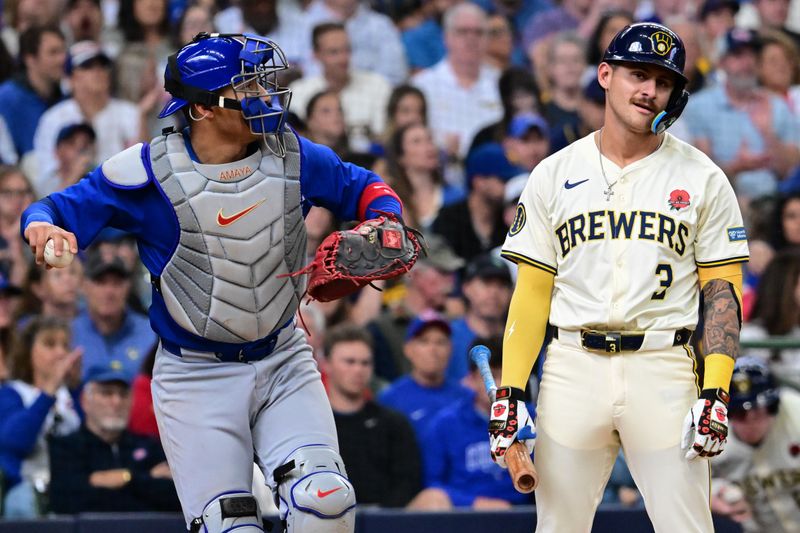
(244, 353)
(618, 341)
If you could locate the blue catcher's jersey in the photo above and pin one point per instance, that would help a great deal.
(143, 209)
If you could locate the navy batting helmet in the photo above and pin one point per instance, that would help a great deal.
(654, 44)
(753, 386)
(247, 63)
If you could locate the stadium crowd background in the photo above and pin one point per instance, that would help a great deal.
(452, 103)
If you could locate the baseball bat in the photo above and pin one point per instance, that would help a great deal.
(518, 460)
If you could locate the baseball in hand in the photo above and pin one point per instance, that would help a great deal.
(55, 261)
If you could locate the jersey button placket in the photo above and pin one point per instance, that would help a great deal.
(620, 248)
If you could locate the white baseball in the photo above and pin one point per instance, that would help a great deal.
(53, 260)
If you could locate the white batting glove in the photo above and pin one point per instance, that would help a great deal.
(705, 428)
(509, 421)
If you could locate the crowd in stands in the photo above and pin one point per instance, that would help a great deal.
(453, 103)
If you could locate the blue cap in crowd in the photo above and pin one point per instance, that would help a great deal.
(488, 266)
(739, 38)
(67, 132)
(522, 123)
(105, 374)
(490, 160)
(427, 319)
(85, 54)
(593, 91)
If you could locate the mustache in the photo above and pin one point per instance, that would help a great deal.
(646, 103)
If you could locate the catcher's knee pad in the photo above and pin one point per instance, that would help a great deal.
(229, 511)
(313, 492)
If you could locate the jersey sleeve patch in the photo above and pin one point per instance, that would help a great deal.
(737, 234)
(519, 220)
(126, 169)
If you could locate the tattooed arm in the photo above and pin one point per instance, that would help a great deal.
(722, 290)
(721, 312)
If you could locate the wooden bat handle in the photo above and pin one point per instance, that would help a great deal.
(521, 468)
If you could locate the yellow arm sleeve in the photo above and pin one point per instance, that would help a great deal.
(526, 324)
(718, 366)
(730, 273)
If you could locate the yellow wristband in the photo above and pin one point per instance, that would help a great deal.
(719, 370)
(126, 476)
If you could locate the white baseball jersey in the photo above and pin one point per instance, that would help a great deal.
(769, 474)
(626, 261)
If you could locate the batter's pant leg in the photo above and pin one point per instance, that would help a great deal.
(576, 445)
(661, 388)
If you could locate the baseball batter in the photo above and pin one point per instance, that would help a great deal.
(763, 453)
(218, 213)
(616, 236)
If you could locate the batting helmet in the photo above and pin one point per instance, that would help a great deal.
(654, 44)
(247, 63)
(753, 386)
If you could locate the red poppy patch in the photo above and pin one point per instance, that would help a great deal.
(678, 199)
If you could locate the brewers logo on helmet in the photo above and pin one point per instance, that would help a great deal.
(654, 44)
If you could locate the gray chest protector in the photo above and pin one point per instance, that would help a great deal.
(241, 226)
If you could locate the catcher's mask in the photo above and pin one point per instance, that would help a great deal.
(249, 64)
(654, 44)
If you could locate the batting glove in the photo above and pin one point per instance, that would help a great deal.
(509, 421)
(705, 428)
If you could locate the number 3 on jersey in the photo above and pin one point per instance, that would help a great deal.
(664, 273)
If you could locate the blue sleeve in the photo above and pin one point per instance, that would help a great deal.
(327, 181)
(20, 427)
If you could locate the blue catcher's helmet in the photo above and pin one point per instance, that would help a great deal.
(654, 44)
(247, 63)
(753, 386)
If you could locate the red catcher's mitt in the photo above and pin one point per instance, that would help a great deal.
(380, 248)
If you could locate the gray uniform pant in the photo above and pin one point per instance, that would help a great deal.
(215, 418)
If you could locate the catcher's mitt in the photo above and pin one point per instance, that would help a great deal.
(381, 248)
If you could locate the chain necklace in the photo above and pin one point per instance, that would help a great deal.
(608, 192)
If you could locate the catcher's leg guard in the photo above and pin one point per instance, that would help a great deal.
(313, 492)
(229, 511)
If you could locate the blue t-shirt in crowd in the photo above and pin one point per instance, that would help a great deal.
(123, 350)
(419, 403)
(424, 44)
(460, 463)
(462, 338)
(22, 108)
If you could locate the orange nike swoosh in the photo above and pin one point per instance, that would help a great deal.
(222, 220)
(322, 494)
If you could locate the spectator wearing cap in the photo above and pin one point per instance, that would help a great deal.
(427, 286)
(102, 467)
(36, 87)
(528, 140)
(35, 405)
(75, 155)
(487, 289)
(415, 170)
(591, 114)
(459, 471)
(117, 123)
(475, 224)
(425, 390)
(111, 334)
(377, 444)
(461, 90)
(364, 95)
(748, 132)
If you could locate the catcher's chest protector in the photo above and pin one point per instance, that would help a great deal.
(241, 226)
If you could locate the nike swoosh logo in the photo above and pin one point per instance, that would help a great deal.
(568, 185)
(222, 220)
(323, 494)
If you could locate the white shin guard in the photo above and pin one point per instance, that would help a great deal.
(230, 511)
(314, 493)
